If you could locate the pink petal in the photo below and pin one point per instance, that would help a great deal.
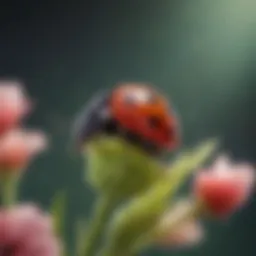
(189, 233)
(37, 142)
(14, 105)
(225, 187)
(18, 147)
(28, 231)
(183, 231)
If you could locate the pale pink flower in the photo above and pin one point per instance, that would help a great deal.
(187, 234)
(225, 187)
(25, 231)
(14, 104)
(18, 147)
(180, 228)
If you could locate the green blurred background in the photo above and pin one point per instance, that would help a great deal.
(200, 52)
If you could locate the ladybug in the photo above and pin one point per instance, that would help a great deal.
(135, 111)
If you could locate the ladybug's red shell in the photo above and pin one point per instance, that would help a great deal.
(143, 111)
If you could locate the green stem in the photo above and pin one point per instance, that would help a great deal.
(110, 252)
(9, 190)
(58, 212)
(103, 209)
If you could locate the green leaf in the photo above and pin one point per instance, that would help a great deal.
(58, 210)
(116, 167)
(96, 226)
(143, 213)
(80, 233)
(188, 163)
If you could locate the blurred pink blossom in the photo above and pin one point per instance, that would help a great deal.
(189, 233)
(225, 187)
(14, 105)
(180, 229)
(17, 148)
(25, 231)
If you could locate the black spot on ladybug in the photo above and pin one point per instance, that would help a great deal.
(154, 122)
(110, 127)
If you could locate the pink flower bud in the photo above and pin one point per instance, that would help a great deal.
(225, 187)
(14, 105)
(187, 234)
(181, 229)
(17, 148)
(25, 230)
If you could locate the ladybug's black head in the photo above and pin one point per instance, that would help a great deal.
(94, 118)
